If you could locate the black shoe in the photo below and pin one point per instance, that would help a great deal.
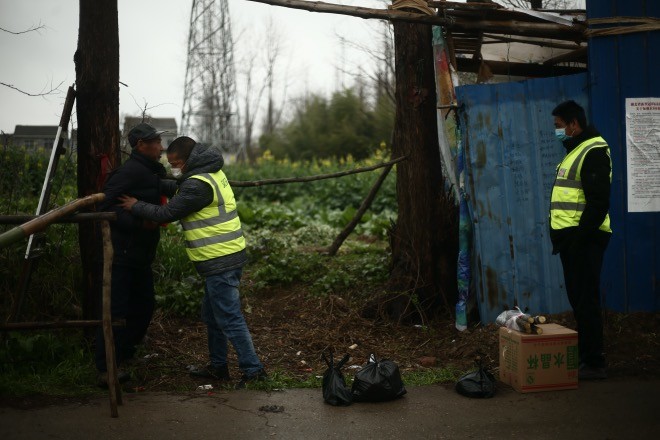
(211, 372)
(586, 372)
(122, 377)
(257, 377)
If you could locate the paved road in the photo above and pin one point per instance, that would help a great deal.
(612, 409)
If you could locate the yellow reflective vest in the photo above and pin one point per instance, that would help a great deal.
(568, 201)
(215, 230)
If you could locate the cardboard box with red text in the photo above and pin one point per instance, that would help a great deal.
(546, 362)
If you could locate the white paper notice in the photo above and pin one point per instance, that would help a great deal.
(643, 148)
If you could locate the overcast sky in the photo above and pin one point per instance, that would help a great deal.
(153, 41)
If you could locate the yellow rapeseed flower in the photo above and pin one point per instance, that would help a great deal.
(266, 157)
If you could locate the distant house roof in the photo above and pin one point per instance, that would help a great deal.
(39, 131)
(168, 124)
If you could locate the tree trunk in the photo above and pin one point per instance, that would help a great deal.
(424, 239)
(97, 108)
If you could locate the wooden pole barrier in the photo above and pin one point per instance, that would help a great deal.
(35, 241)
(57, 324)
(334, 247)
(108, 338)
(75, 218)
(244, 184)
(573, 32)
(41, 222)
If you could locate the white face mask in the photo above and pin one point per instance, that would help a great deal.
(176, 172)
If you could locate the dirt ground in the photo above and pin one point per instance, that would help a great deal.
(291, 330)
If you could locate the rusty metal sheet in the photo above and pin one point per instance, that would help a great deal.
(511, 156)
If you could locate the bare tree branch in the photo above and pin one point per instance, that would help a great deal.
(42, 93)
(144, 109)
(36, 28)
(382, 58)
(237, 183)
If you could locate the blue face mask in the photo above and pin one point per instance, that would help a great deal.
(560, 133)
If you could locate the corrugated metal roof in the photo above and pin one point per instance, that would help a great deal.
(511, 157)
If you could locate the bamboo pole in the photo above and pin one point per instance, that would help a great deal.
(113, 383)
(334, 247)
(75, 218)
(41, 222)
(57, 324)
(236, 183)
(573, 32)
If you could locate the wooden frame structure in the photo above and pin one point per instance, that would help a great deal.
(473, 29)
(63, 214)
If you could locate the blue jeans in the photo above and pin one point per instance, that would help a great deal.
(221, 312)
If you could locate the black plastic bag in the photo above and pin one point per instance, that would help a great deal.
(335, 391)
(378, 381)
(479, 383)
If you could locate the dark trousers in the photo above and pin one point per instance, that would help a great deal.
(132, 300)
(582, 264)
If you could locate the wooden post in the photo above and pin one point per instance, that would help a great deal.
(334, 247)
(113, 383)
(29, 263)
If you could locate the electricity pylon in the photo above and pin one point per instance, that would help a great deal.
(210, 109)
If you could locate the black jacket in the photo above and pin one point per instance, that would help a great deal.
(193, 195)
(595, 176)
(134, 240)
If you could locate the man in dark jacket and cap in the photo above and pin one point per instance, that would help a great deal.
(206, 207)
(134, 241)
(580, 227)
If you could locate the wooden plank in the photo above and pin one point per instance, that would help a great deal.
(517, 69)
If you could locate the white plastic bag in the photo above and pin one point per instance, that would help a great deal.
(508, 319)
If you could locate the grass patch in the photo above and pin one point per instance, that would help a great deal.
(431, 376)
(46, 363)
(279, 379)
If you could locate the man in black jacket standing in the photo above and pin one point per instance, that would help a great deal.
(134, 241)
(580, 227)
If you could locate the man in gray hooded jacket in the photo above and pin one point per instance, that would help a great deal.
(206, 208)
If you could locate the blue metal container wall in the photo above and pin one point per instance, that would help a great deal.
(620, 67)
(511, 159)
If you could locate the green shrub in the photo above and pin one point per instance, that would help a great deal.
(286, 227)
